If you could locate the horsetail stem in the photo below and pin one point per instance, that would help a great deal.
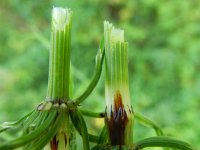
(59, 61)
(118, 106)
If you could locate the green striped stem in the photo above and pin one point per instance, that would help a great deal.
(31, 136)
(162, 142)
(59, 83)
(119, 113)
(59, 60)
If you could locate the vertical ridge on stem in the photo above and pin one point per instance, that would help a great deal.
(59, 61)
(119, 113)
(59, 82)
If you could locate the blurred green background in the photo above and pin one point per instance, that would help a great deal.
(164, 58)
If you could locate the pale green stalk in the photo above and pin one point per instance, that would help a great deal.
(119, 113)
(59, 84)
(59, 60)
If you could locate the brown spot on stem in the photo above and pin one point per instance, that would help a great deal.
(54, 143)
(117, 121)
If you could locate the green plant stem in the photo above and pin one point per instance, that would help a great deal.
(43, 141)
(119, 113)
(96, 76)
(8, 125)
(141, 118)
(162, 142)
(30, 120)
(59, 83)
(148, 122)
(103, 137)
(93, 138)
(79, 123)
(91, 114)
(29, 137)
(59, 61)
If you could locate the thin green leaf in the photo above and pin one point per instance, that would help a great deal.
(92, 114)
(97, 74)
(30, 120)
(162, 142)
(18, 121)
(148, 122)
(103, 137)
(79, 123)
(49, 135)
(29, 137)
(108, 147)
(8, 125)
(93, 138)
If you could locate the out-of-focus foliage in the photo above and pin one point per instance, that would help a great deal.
(164, 53)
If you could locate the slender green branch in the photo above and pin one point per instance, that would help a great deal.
(91, 114)
(9, 125)
(93, 138)
(96, 77)
(103, 137)
(141, 118)
(148, 122)
(162, 142)
(42, 119)
(29, 121)
(79, 123)
(108, 147)
(29, 137)
(48, 135)
(18, 122)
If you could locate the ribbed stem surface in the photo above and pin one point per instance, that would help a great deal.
(119, 113)
(59, 84)
(59, 60)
